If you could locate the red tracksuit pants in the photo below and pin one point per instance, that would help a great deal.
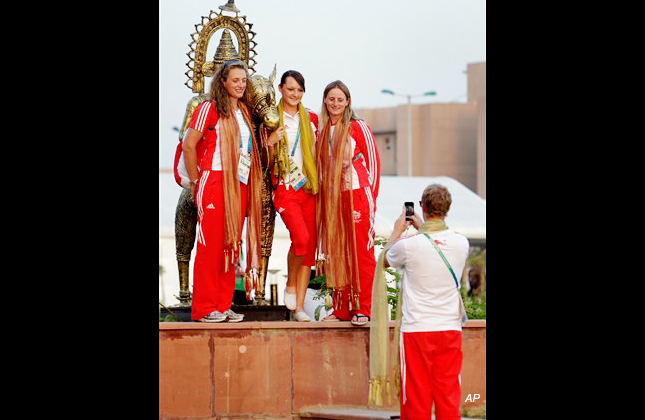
(213, 288)
(430, 367)
(364, 228)
(298, 212)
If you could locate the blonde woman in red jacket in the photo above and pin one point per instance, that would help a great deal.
(348, 165)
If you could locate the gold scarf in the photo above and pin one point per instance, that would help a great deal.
(336, 251)
(380, 337)
(379, 330)
(307, 138)
(432, 225)
(230, 153)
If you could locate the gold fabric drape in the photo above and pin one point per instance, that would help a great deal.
(307, 146)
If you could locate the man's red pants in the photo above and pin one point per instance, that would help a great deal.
(430, 367)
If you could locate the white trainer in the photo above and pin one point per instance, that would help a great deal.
(214, 316)
(233, 317)
(289, 300)
(301, 316)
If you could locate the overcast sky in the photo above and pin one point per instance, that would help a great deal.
(407, 46)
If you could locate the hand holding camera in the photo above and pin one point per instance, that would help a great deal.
(409, 210)
(411, 216)
(407, 218)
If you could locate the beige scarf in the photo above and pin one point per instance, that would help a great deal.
(336, 251)
(230, 153)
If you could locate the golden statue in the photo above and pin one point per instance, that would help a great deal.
(265, 120)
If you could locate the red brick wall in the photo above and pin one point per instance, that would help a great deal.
(274, 369)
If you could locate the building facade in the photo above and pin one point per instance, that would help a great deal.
(448, 139)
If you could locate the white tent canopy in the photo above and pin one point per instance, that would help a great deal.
(467, 214)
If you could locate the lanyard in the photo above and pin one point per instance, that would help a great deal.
(296, 144)
(358, 156)
(463, 315)
(329, 138)
(443, 258)
(247, 126)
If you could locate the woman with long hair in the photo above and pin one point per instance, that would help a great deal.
(226, 187)
(296, 183)
(348, 165)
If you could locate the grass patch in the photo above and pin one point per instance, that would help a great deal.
(476, 306)
(474, 412)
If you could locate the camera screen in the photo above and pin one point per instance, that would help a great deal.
(409, 209)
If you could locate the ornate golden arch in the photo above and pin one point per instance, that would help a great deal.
(198, 67)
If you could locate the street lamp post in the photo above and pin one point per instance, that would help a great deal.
(409, 98)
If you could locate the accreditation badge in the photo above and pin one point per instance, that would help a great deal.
(296, 178)
(244, 168)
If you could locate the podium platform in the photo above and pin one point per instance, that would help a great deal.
(283, 370)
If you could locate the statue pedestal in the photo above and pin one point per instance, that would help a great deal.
(263, 312)
(259, 310)
(251, 312)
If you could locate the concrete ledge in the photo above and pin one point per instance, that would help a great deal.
(354, 414)
(272, 325)
(342, 413)
(281, 369)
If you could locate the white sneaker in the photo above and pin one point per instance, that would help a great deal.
(214, 316)
(233, 317)
(289, 300)
(302, 316)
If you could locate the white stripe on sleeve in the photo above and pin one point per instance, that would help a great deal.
(201, 118)
(371, 153)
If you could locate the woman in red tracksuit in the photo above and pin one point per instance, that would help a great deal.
(229, 168)
(296, 184)
(348, 165)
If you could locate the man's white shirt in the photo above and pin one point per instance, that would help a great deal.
(430, 297)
